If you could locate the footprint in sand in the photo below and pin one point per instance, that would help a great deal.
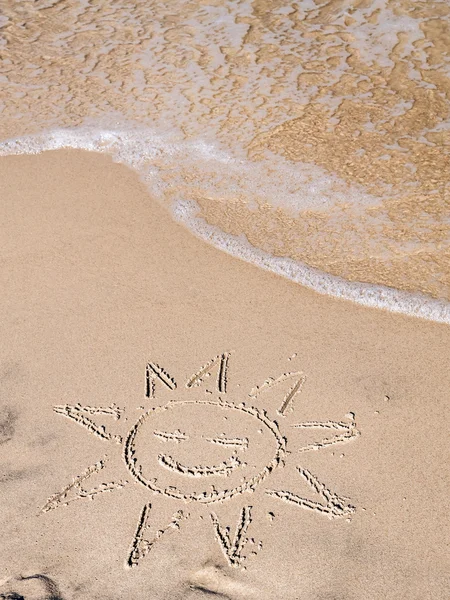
(33, 587)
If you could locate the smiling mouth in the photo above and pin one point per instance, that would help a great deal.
(222, 470)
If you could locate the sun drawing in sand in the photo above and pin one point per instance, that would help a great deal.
(165, 450)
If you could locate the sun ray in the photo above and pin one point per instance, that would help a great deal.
(141, 546)
(333, 506)
(288, 399)
(153, 373)
(349, 432)
(233, 548)
(77, 413)
(62, 498)
(197, 378)
(291, 393)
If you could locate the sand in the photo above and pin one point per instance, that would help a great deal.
(127, 348)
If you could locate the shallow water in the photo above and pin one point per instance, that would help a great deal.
(310, 138)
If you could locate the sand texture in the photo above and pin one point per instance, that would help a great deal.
(176, 423)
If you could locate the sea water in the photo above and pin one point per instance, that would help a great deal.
(310, 138)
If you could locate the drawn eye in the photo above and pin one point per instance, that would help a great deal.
(230, 442)
(171, 436)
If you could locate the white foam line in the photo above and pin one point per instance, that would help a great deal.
(136, 149)
(163, 160)
(374, 296)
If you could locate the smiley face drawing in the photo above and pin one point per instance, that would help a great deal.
(205, 449)
(255, 442)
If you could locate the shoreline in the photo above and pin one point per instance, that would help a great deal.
(416, 305)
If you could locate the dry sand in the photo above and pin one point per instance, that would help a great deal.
(97, 282)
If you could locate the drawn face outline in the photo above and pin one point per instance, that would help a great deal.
(205, 497)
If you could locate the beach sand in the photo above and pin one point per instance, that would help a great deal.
(109, 310)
